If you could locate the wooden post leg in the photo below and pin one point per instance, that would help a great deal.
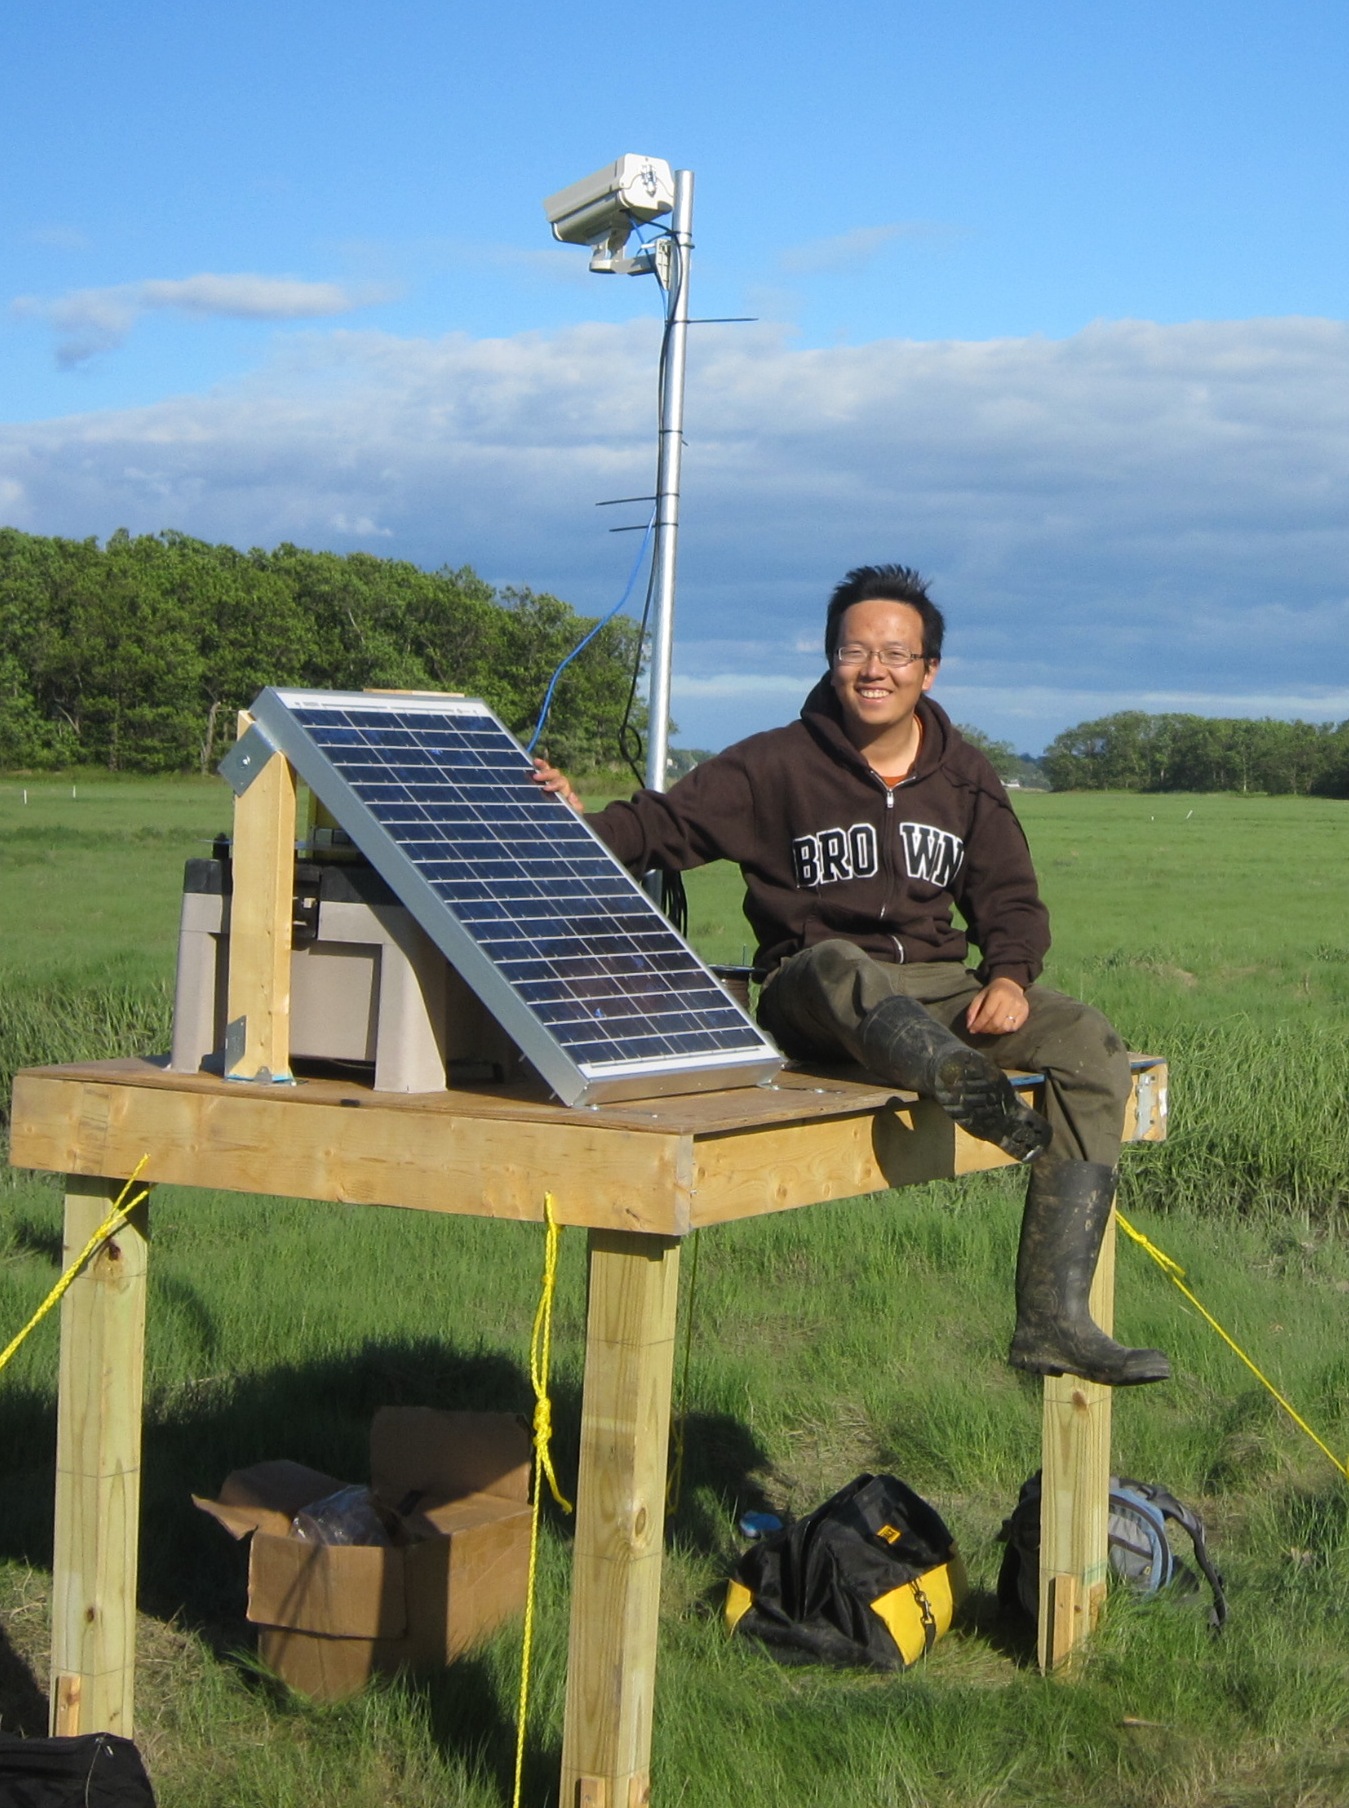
(98, 1456)
(257, 1034)
(1074, 1505)
(620, 1520)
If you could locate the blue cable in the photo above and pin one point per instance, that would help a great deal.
(583, 644)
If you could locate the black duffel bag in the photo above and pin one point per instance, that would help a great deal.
(96, 1770)
(871, 1578)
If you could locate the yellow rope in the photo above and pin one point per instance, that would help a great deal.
(1176, 1275)
(540, 1358)
(114, 1221)
(674, 1487)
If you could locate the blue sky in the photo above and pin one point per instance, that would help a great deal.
(1050, 302)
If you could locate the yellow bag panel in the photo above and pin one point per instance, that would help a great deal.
(939, 1590)
(738, 1603)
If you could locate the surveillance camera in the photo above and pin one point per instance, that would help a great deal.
(597, 210)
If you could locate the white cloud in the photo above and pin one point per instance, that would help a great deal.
(60, 238)
(729, 685)
(1136, 511)
(848, 250)
(1311, 703)
(250, 297)
(88, 321)
(362, 528)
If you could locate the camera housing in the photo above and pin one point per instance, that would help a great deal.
(602, 209)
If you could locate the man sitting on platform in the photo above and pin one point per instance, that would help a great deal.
(860, 829)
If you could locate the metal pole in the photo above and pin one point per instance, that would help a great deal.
(667, 482)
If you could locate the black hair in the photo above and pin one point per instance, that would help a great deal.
(885, 583)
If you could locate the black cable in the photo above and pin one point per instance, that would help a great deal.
(674, 901)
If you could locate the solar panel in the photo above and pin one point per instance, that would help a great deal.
(562, 945)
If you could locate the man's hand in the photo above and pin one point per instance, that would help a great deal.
(998, 1009)
(556, 782)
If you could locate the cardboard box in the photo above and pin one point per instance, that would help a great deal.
(332, 1615)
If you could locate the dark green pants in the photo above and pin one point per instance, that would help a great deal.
(814, 1003)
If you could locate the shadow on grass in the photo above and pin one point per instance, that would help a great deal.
(23, 1706)
(319, 1413)
(1007, 1630)
(721, 1476)
(463, 1708)
(28, 1237)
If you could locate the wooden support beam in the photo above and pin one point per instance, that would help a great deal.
(664, 1165)
(321, 1140)
(257, 1039)
(1075, 1491)
(620, 1520)
(98, 1468)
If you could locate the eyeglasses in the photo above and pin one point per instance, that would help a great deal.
(894, 659)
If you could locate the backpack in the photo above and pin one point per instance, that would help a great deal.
(1139, 1552)
(871, 1578)
(95, 1770)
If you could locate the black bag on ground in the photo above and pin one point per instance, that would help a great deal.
(1139, 1551)
(870, 1578)
(96, 1770)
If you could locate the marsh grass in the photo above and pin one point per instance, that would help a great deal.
(64, 1021)
(90, 885)
(863, 1334)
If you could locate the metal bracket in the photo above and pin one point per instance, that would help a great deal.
(234, 1042)
(1152, 1104)
(246, 759)
(607, 258)
(236, 1037)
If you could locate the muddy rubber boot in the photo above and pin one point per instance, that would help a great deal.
(904, 1044)
(1067, 1209)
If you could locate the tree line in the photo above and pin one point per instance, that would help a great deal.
(1133, 751)
(1012, 768)
(136, 655)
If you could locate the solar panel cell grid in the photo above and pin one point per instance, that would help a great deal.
(444, 804)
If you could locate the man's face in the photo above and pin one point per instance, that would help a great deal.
(875, 696)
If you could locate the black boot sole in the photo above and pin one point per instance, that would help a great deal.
(981, 1099)
(1137, 1369)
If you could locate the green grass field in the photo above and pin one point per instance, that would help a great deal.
(863, 1334)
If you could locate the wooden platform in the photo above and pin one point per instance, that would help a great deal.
(665, 1166)
(639, 1177)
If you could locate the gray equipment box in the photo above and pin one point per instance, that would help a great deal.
(368, 985)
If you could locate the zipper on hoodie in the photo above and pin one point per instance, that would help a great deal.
(887, 854)
(888, 842)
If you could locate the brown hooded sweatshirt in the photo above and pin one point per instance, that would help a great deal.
(828, 849)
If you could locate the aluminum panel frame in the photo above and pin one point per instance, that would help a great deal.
(575, 1083)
